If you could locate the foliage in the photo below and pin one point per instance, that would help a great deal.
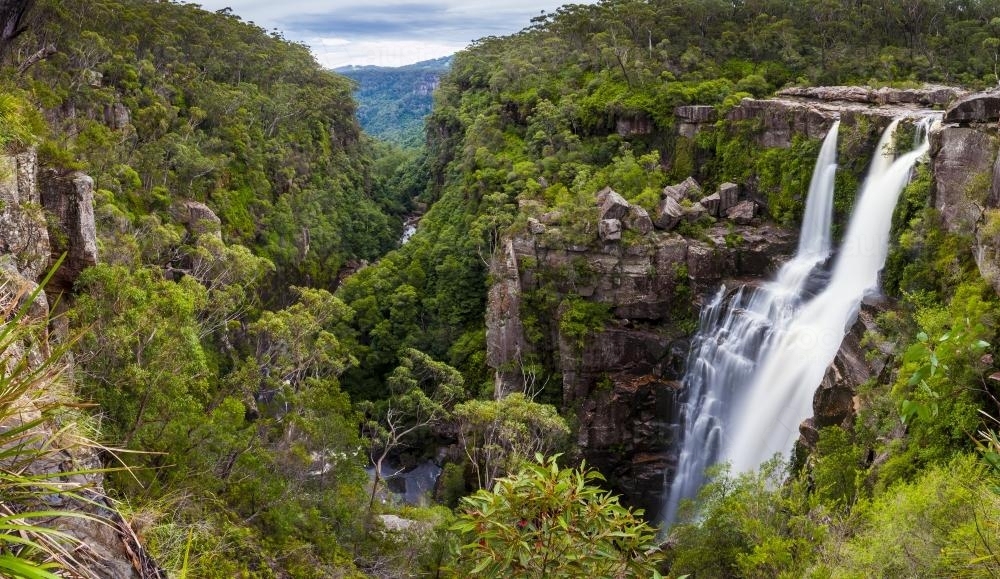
(546, 521)
(39, 430)
(580, 319)
(498, 435)
(943, 524)
(393, 101)
(748, 525)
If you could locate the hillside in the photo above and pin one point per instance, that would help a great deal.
(394, 101)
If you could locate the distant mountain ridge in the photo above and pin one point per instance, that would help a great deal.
(393, 101)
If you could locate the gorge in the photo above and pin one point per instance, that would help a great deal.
(653, 237)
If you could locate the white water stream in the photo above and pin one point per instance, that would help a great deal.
(760, 353)
(734, 331)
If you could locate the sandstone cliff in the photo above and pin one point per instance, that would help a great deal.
(622, 381)
(43, 215)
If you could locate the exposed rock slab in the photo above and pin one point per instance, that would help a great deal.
(927, 96)
(609, 229)
(981, 107)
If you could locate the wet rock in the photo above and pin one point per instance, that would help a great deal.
(981, 107)
(614, 206)
(809, 433)
(609, 229)
(638, 220)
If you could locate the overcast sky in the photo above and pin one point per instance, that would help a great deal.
(386, 32)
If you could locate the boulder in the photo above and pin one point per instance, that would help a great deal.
(602, 195)
(981, 107)
(668, 213)
(711, 204)
(743, 212)
(729, 196)
(535, 226)
(609, 229)
(686, 189)
(695, 212)
(198, 218)
(614, 206)
(638, 220)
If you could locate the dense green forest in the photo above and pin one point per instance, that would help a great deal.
(394, 101)
(251, 367)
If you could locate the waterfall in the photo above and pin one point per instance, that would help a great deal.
(735, 330)
(760, 354)
(781, 392)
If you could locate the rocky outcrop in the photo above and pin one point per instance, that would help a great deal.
(927, 96)
(691, 119)
(69, 200)
(686, 189)
(198, 218)
(810, 112)
(977, 108)
(623, 380)
(965, 169)
(44, 213)
(23, 232)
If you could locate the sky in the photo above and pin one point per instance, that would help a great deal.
(386, 32)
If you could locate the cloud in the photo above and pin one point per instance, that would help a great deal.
(404, 21)
(386, 32)
(336, 52)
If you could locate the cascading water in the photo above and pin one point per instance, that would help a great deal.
(735, 330)
(780, 396)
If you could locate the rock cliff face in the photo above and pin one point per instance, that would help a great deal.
(43, 214)
(622, 381)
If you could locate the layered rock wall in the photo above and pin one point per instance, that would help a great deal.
(622, 382)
